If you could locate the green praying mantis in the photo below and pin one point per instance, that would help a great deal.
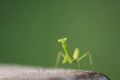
(68, 58)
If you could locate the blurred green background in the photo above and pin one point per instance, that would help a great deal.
(29, 30)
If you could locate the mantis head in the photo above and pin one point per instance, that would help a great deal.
(63, 40)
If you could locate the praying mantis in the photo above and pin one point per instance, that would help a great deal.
(68, 58)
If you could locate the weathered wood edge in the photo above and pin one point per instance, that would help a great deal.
(14, 72)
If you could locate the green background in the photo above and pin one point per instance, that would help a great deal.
(29, 30)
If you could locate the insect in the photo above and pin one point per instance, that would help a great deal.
(68, 58)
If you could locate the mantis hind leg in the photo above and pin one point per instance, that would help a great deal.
(90, 58)
(58, 58)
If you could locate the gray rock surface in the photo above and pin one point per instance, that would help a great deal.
(13, 72)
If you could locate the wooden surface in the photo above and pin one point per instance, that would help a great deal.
(13, 72)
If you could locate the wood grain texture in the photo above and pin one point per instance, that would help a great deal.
(13, 72)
